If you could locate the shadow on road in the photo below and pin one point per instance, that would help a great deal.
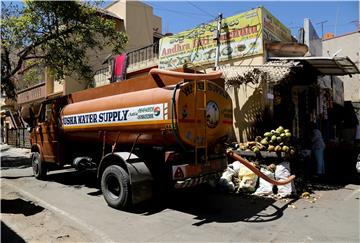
(19, 206)
(15, 177)
(8, 235)
(76, 179)
(205, 203)
(209, 205)
(328, 183)
(9, 162)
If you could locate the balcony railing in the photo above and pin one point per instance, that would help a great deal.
(102, 76)
(143, 57)
(138, 59)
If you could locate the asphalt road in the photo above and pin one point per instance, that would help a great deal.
(70, 207)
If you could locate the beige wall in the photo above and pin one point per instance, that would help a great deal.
(139, 22)
(248, 101)
(58, 86)
(96, 58)
(53, 86)
(350, 46)
(73, 84)
(157, 24)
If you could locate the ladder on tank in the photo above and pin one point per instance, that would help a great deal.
(200, 142)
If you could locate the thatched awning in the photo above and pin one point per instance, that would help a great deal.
(271, 72)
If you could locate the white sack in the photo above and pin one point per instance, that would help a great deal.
(265, 188)
(282, 172)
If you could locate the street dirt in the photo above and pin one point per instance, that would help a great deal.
(34, 223)
(23, 220)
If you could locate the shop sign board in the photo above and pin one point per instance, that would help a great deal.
(241, 36)
(273, 29)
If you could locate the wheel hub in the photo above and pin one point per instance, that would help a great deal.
(113, 186)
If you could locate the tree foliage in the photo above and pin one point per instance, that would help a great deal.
(56, 34)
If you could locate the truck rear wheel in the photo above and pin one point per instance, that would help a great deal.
(115, 186)
(39, 167)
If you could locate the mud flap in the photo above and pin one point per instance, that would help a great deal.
(141, 180)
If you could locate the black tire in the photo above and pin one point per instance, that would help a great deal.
(39, 167)
(115, 186)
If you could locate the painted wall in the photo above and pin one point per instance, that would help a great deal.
(249, 103)
(32, 94)
(139, 22)
(73, 83)
(312, 39)
(350, 46)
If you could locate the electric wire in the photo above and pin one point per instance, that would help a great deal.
(195, 6)
(175, 11)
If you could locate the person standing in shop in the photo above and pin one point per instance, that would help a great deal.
(318, 147)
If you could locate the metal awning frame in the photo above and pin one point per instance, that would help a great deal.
(337, 66)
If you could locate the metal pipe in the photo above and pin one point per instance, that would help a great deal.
(192, 76)
(257, 172)
(218, 32)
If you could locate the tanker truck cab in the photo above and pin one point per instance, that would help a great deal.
(46, 137)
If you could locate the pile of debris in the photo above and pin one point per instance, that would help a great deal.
(237, 178)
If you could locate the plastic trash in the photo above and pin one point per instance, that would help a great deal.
(282, 172)
(247, 179)
(236, 166)
(226, 180)
(265, 188)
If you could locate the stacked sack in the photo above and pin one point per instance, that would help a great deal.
(238, 177)
(279, 172)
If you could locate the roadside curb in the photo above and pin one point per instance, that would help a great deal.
(4, 147)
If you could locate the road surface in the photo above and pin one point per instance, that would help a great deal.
(69, 207)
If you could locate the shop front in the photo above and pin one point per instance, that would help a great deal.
(300, 94)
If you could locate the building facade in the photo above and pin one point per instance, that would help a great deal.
(346, 45)
(143, 29)
(246, 40)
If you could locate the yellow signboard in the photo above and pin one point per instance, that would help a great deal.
(241, 36)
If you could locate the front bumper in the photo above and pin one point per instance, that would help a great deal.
(191, 182)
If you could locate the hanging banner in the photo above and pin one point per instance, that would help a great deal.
(241, 36)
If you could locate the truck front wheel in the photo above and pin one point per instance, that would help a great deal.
(39, 167)
(115, 186)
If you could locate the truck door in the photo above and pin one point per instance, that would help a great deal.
(47, 132)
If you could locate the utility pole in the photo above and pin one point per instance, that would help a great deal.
(322, 28)
(218, 32)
